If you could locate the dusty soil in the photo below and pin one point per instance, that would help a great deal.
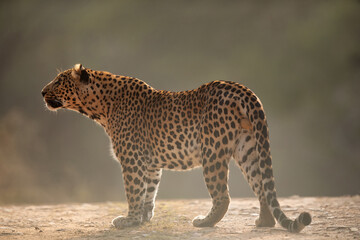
(333, 218)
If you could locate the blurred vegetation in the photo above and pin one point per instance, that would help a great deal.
(302, 58)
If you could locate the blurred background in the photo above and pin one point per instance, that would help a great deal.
(302, 58)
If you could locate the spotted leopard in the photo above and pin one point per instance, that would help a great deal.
(151, 130)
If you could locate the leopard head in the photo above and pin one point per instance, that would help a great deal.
(68, 90)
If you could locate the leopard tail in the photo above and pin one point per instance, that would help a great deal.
(254, 112)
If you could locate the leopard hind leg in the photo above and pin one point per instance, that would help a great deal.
(246, 157)
(215, 163)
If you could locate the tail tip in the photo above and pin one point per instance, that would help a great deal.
(305, 218)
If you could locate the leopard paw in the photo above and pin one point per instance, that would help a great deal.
(265, 222)
(124, 222)
(202, 221)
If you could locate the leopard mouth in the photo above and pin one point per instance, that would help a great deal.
(53, 103)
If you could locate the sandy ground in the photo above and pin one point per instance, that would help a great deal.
(333, 218)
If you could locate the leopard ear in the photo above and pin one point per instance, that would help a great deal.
(79, 73)
(78, 67)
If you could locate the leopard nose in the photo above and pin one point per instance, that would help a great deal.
(43, 92)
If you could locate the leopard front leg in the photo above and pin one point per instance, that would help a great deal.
(153, 181)
(135, 189)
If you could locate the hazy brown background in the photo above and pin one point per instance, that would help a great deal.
(302, 58)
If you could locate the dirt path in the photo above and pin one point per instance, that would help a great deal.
(333, 218)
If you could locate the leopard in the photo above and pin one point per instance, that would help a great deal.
(151, 130)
